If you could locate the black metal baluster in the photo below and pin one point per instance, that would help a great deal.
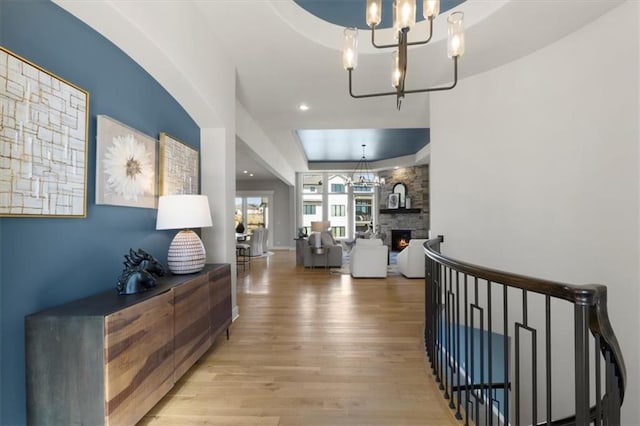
(489, 356)
(467, 377)
(598, 382)
(581, 364)
(452, 347)
(517, 372)
(507, 388)
(458, 369)
(547, 302)
(447, 346)
(441, 273)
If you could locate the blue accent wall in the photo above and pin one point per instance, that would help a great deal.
(48, 261)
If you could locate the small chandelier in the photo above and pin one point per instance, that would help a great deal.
(363, 175)
(404, 17)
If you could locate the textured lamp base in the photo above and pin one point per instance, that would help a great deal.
(186, 253)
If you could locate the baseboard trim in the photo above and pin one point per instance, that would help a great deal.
(235, 313)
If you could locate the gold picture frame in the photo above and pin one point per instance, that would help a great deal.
(179, 167)
(44, 134)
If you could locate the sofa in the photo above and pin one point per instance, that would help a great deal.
(411, 259)
(332, 258)
(369, 258)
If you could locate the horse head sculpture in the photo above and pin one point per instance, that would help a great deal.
(138, 273)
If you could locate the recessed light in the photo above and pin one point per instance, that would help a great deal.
(250, 174)
(245, 172)
(303, 107)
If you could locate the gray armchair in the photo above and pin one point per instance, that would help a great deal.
(332, 257)
(256, 242)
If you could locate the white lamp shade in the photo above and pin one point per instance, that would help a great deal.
(319, 226)
(183, 211)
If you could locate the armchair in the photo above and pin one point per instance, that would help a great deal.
(369, 258)
(411, 259)
(256, 242)
(333, 256)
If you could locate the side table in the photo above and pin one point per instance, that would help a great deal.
(300, 242)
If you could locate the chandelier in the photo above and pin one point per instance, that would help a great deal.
(362, 175)
(404, 17)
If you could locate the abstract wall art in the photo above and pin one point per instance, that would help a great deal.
(179, 167)
(43, 141)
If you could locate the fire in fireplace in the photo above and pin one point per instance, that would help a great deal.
(400, 239)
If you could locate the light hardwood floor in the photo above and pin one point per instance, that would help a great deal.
(313, 348)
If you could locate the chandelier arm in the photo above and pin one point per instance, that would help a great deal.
(416, 43)
(370, 95)
(413, 43)
(436, 89)
(373, 40)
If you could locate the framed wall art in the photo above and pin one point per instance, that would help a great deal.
(125, 165)
(43, 141)
(179, 167)
(394, 200)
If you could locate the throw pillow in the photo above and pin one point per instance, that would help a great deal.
(327, 239)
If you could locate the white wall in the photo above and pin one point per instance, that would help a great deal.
(539, 161)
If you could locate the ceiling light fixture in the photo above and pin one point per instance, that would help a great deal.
(404, 17)
(303, 107)
(362, 175)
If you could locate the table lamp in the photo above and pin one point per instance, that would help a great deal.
(186, 252)
(317, 228)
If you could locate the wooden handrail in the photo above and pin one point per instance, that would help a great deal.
(593, 297)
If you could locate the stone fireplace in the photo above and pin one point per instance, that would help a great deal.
(400, 239)
(416, 218)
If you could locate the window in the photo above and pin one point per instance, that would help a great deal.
(362, 188)
(338, 210)
(312, 184)
(309, 209)
(363, 207)
(337, 187)
(338, 231)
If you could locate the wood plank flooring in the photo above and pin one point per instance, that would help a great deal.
(313, 348)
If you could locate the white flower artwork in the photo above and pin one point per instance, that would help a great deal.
(126, 165)
(128, 168)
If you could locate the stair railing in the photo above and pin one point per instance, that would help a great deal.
(500, 345)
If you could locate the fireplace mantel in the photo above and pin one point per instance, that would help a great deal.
(400, 211)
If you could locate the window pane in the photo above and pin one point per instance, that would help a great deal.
(363, 212)
(257, 209)
(238, 216)
(337, 184)
(362, 188)
(337, 209)
(311, 210)
(312, 184)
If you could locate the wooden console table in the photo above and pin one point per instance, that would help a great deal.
(108, 359)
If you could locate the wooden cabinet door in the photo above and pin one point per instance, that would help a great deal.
(220, 300)
(138, 359)
(192, 328)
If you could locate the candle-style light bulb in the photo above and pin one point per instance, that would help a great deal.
(430, 8)
(406, 13)
(455, 45)
(350, 49)
(374, 12)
